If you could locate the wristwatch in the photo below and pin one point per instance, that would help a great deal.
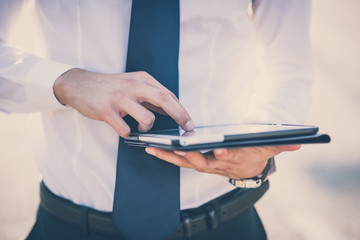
(255, 182)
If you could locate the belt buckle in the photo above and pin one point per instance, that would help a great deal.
(211, 221)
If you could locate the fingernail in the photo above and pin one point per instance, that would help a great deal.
(150, 151)
(189, 125)
(181, 153)
(218, 151)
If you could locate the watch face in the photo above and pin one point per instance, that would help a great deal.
(246, 183)
(255, 182)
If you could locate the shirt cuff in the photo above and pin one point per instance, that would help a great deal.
(277, 162)
(42, 77)
(272, 169)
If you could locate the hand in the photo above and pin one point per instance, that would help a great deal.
(109, 97)
(236, 163)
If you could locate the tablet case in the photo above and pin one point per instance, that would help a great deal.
(307, 139)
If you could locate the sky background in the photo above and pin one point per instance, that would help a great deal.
(314, 194)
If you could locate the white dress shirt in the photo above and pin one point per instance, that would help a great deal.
(233, 68)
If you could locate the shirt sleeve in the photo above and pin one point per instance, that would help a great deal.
(26, 81)
(281, 91)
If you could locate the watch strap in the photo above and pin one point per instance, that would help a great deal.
(255, 182)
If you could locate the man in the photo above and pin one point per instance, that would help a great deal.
(77, 79)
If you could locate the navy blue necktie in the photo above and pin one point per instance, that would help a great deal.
(146, 201)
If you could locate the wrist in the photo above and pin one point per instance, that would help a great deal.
(256, 181)
(61, 87)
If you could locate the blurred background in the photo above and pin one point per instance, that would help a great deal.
(314, 194)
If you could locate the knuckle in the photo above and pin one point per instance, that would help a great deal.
(130, 84)
(142, 75)
(104, 111)
(164, 96)
(171, 94)
(202, 167)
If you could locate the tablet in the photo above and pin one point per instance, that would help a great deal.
(228, 136)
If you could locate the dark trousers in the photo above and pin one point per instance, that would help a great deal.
(245, 226)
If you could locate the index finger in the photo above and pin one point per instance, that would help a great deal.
(167, 101)
(286, 148)
(275, 150)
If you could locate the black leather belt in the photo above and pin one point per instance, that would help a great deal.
(194, 221)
